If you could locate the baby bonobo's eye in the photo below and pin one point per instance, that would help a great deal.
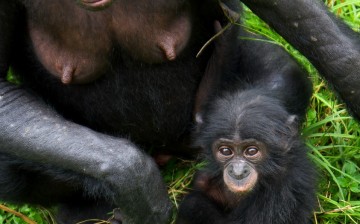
(225, 151)
(251, 151)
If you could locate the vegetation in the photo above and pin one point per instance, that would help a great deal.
(331, 134)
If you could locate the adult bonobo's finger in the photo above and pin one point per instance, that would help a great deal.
(139, 189)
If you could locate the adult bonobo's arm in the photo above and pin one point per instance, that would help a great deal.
(330, 45)
(31, 130)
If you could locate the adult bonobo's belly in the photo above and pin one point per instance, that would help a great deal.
(150, 104)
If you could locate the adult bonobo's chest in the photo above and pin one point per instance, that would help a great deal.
(151, 104)
(106, 70)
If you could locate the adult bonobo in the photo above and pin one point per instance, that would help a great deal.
(98, 87)
(102, 80)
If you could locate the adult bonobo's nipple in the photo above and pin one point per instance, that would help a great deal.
(167, 46)
(67, 74)
(172, 41)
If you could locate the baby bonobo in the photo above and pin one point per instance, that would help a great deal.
(257, 170)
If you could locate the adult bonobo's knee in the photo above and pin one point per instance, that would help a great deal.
(327, 42)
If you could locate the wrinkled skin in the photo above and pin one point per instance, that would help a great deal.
(102, 86)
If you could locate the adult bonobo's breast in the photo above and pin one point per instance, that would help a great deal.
(75, 44)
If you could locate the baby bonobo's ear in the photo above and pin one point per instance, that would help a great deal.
(293, 121)
(198, 119)
(292, 124)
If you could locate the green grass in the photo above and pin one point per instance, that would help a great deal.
(329, 131)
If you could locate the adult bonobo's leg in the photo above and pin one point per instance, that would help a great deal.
(329, 44)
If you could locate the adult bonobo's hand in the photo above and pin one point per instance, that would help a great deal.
(124, 175)
(329, 44)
